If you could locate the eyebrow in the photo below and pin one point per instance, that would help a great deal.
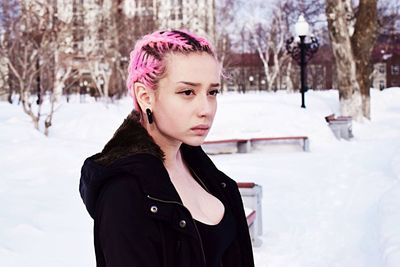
(198, 84)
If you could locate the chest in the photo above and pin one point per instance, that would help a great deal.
(203, 206)
(186, 241)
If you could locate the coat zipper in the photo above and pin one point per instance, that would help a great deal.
(197, 231)
(200, 180)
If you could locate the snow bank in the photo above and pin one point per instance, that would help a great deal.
(337, 205)
(389, 223)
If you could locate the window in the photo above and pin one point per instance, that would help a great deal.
(180, 13)
(395, 70)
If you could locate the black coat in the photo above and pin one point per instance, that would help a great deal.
(139, 218)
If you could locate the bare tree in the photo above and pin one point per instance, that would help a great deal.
(22, 55)
(224, 23)
(5, 92)
(353, 36)
(8, 12)
(270, 45)
(388, 17)
(269, 37)
(29, 52)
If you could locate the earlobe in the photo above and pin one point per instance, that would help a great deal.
(143, 95)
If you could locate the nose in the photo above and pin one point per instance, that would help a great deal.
(205, 106)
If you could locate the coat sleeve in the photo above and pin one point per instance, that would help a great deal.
(125, 237)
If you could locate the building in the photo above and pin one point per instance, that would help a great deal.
(247, 70)
(104, 32)
(195, 15)
(244, 72)
(386, 58)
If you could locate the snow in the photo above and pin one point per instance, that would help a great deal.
(337, 205)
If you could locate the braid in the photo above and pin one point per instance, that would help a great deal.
(146, 60)
(190, 40)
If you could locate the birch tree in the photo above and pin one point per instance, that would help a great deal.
(8, 13)
(353, 35)
(29, 53)
(224, 25)
(269, 37)
(21, 52)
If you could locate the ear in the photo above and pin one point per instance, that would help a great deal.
(144, 95)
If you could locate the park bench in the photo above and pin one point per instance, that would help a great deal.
(303, 141)
(226, 146)
(252, 200)
(341, 126)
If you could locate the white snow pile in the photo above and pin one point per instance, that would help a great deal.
(337, 205)
(389, 223)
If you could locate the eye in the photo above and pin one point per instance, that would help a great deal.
(214, 92)
(187, 92)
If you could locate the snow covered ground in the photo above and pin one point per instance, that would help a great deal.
(337, 205)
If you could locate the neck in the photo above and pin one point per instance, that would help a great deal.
(171, 148)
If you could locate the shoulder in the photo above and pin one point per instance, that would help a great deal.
(227, 182)
(119, 197)
(133, 177)
(119, 187)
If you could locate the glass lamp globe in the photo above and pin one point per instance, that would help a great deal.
(301, 27)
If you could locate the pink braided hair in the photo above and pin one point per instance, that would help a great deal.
(146, 60)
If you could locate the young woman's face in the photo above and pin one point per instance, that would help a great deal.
(186, 98)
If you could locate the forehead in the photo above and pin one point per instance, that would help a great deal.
(194, 67)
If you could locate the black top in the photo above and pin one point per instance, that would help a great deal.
(217, 238)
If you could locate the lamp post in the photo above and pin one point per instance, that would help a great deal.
(263, 83)
(251, 80)
(302, 51)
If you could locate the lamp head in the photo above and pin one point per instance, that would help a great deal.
(301, 27)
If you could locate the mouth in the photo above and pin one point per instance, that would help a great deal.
(200, 129)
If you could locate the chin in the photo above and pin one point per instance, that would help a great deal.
(196, 141)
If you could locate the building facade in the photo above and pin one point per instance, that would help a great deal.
(386, 58)
(247, 70)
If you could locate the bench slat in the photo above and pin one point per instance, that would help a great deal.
(251, 218)
(245, 185)
(278, 138)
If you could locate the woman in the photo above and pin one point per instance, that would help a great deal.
(156, 198)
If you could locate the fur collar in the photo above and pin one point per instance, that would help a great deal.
(130, 138)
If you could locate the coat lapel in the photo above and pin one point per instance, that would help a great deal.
(134, 150)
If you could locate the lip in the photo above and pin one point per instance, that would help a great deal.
(201, 127)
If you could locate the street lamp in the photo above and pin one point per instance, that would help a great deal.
(263, 83)
(251, 80)
(302, 52)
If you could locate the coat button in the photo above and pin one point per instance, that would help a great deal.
(223, 185)
(182, 224)
(154, 209)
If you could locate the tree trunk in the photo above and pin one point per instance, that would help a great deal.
(288, 79)
(363, 41)
(349, 89)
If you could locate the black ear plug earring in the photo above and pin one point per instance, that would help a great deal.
(149, 115)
